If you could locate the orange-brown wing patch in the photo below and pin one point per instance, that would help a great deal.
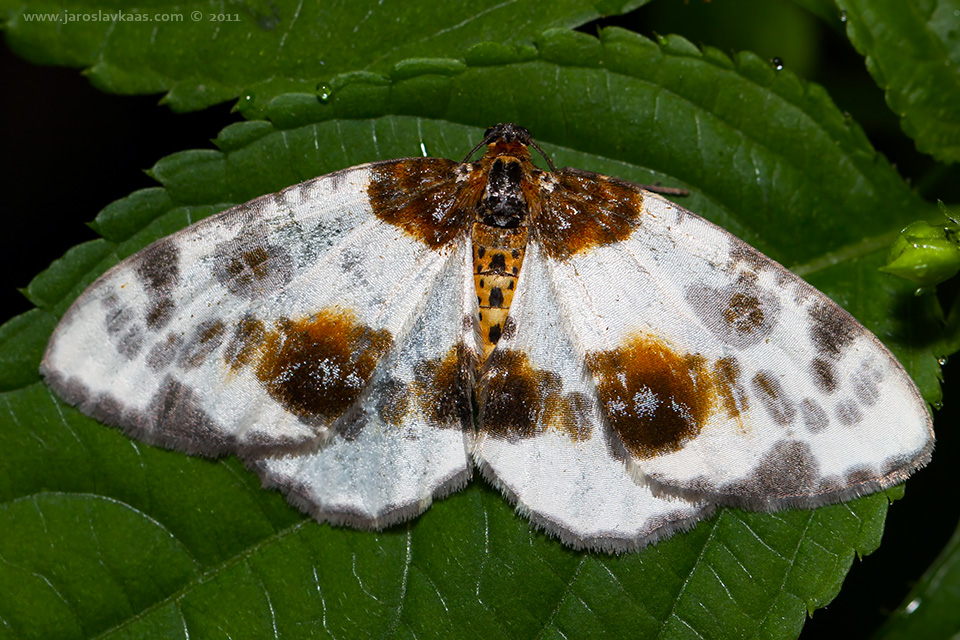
(730, 391)
(443, 387)
(518, 400)
(657, 399)
(583, 210)
(315, 367)
(431, 199)
(497, 259)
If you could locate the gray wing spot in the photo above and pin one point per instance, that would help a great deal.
(824, 375)
(350, 426)
(158, 268)
(103, 407)
(250, 266)
(743, 254)
(774, 398)
(248, 337)
(741, 314)
(207, 337)
(308, 245)
(832, 329)
(831, 484)
(866, 383)
(164, 352)
(350, 260)
(174, 418)
(160, 313)
(122, 326)
(860, 475)
(848, 413)
(815, 418)
(392, 399)
(353, 267)
(788, 470)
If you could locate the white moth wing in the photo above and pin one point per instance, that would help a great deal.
(726, 377)
(542, 439)
(408, 439)
(193, 343)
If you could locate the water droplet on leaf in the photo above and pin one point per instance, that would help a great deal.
(245, 100)
(324, 92)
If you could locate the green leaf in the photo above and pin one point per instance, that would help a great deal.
(21, 341)
(204, 53)
(913, 52)
(826, 10)
(71, 553)
(763, 153)
(930, 610)
(951, 330)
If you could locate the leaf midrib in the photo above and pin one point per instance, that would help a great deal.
(847, 253)
(211, 573)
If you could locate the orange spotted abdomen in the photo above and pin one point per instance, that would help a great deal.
(497, 258)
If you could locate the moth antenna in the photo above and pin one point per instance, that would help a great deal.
(533, 144)
(494, 132)
(486, 140)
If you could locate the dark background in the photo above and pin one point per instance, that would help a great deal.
(70, 150)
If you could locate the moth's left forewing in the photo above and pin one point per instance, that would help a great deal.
(164, 345)
(723, 375)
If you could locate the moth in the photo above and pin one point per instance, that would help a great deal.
(616, 365)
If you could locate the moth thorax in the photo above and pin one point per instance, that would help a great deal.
(503, 204)
(497, 258)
